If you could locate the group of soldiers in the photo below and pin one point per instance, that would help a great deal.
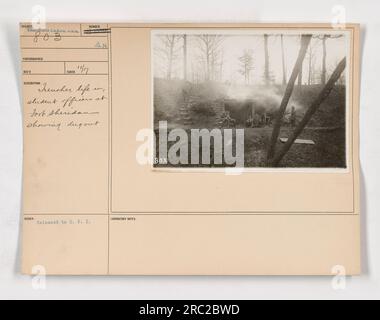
(257, 120)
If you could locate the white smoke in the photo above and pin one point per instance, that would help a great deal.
(265, 97)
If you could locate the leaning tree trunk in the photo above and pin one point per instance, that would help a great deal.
(314, 107)
(300, 76)
(305, 41)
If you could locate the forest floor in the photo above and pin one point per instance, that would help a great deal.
(326, 153)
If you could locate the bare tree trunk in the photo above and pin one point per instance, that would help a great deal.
(207, 62)
(210, 48)
(300, 76)
(266, 52)
(324, 68)
(185, 57)
(284, 76)
(305, 41)
(171, 55)
(310, 65)
(314, 107)
(170, 66)
(221, 67)
(212, 67)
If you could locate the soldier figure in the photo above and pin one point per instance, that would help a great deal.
(250, 122)
(227, 120)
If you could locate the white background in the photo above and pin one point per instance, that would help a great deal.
(13, 285)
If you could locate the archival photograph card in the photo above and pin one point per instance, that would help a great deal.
(190, 149)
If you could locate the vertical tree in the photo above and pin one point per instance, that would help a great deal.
(284, 72)
(324, 39)
(310, 58)
(246, 64)
(169, 51)
(266, 65)
(300, 76)
(210, 46)
(311, 62)
(324, 58)
(221, 64)
(185, 57)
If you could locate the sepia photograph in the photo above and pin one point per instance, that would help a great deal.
(250, 99)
